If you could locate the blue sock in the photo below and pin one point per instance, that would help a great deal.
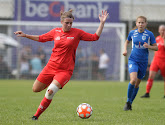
(135, 91)
(130, 91)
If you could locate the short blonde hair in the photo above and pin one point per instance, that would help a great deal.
(67, 14)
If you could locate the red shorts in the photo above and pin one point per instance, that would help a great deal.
(158, 64)
(49, 74)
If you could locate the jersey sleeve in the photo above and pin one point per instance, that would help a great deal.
(47, 36)
(152, 38)
(129, 38)
(87, 36)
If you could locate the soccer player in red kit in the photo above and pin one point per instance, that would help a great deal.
(59, 69)
(158, 62)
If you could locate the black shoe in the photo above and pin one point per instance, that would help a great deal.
(164, 96)
(146, 95)
(34, 118)
(127, 106)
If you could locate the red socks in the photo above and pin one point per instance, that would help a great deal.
(43, 105)
(149, 85)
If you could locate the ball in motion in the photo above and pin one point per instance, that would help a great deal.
(84, 110)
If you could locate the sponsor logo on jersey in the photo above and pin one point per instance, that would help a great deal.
(143, 37)
(70, 37)
(57, 38)
(139, 46)
(145, 34)
(135, 33)
(58, 30)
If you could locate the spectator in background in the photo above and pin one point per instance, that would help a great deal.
(76, 68)
(42, 55)
(158, 62)
(103, 64)
(26, 53)
(79, 64)
(82, 64)
(36, 65)
(4, 69)
(95, 63)
(24, 68)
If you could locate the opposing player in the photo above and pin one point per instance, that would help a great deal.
(158, 62)
(141, 39)
(59, 69)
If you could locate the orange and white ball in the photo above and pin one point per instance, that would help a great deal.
(84, 110)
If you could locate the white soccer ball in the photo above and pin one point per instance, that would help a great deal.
(84, 110)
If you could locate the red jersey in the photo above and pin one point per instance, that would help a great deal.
(65, 45)
(161, 48)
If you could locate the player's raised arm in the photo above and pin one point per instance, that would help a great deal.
(102, 19)
(32, 37)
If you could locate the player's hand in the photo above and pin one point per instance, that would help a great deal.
(20, 34)
(146, 45)
(103, 16)
(125, 53)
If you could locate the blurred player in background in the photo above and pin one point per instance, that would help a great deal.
(59, 69)
(103, 64)
(158, 62)
(137, 64)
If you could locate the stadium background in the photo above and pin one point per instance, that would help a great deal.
(23, 15)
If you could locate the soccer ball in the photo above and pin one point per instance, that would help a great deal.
(84, 110)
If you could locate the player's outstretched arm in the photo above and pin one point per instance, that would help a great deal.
(102, 19)
(32, 37)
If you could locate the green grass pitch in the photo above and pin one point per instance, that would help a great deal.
(18, 104)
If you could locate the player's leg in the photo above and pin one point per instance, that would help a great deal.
(131, 85)
(38, 86)
(162, 69)
(142, 67)
(133, 69)
(149, 84)
(150, 81)
(136, 89)
(153, 70)
(59, 80)
(50, 92)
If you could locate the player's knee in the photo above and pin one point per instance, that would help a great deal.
(50, 92)
(133, 80)
(34, 89)
(136, 86)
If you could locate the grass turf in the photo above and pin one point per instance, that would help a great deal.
(18, 104)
